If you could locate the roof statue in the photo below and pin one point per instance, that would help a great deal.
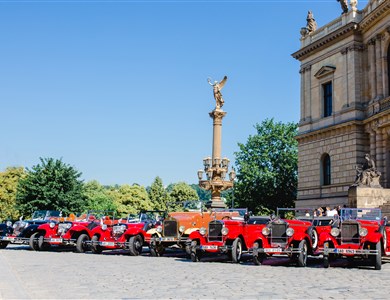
(217, 87)
(311, 22)
(344, 5)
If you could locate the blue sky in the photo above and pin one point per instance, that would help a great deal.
(118, 89)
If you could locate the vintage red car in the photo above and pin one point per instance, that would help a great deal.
(128, 234)
(71, 231)
(232, 236)
(177, 227)
(358, 233)
(289, 233)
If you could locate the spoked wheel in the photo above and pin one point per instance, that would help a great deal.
(95, 248)
(81, 245)
(378, 257)
(33, 241)
(302, 256)
(3, 245)
(135, 245)
(237, 250)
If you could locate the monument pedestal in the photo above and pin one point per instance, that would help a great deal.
(367, 197)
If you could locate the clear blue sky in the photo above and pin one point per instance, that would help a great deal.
(118, 89)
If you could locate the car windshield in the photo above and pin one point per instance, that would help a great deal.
(45, 214)
(241, 211)
(193, 205)
(371, 214)
(153, 216)
(295, 213)
(98, 215)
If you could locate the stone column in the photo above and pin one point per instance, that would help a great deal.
(372, 70)
(372, 143)
(379, 150)
(378, 66)
(303, 111)
(217, 116)
(308, 92)
(385, 171)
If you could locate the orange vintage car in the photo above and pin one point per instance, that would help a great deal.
(177, 227)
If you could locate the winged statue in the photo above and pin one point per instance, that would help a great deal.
(217, 87)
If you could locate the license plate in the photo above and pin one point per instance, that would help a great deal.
(56, 240)
(273, 250)
(343, 251)
(209, 247)
(8, 238)
(107, 243)
(168, 239)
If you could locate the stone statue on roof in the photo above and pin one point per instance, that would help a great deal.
(344, 5)
(311, 22)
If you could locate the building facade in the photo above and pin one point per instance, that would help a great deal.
(345, 103)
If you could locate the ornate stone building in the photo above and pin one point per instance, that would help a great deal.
(345, 102)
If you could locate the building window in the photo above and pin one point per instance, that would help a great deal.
(327, 96)
(326, 169)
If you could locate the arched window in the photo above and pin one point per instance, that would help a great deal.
(325, 169)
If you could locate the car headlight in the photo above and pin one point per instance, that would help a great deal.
(14, 226)
(68, 225)
(23, 224)
(202, 231)
(9, 223)
(335, 232)
(104, 226)
(52, 225)
(265, 231)
(290, 231)
(159, 229)
(182, 228)
(363, 231)
(123, 227)
(225, 231)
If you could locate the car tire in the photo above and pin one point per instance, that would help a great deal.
(3, 245)
(195, 257)
(314, 238)
(80, 243)
(95, 248)
(302, 256)
(42, 246)
(237, 250)
(259, 258)
(156, 251)
(378, 257)
(326, 261)
(33, 241)
(135, 245)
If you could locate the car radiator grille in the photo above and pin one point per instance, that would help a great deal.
(215, 233)
(170, 228)
(349, 233)
(278, 233)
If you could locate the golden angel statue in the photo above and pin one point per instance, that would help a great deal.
(217, 87)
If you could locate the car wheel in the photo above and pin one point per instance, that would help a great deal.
(195, 257)
(95, 248)
(156, 251)
(3, 245)
(237, 250)
(33, 241)
(135, 245)
(259, 258)
(314, 238)
(81, 246)
(42, 246)
(378, 257)
(326, 261)
(302, 256)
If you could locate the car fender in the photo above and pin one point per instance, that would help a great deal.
(133, 231)
(190, 230)
(375, 237)
(153, 231)
(29, 230)
(195, 235)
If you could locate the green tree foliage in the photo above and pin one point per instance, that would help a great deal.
(158, 195)
(51, 185)
(9, 180)
(181, 191)
(98, 197)
(130, 199)
(202, 193)
(267, 167)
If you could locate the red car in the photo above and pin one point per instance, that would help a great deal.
(232, 236)
(129, 234)
(69, 231)
(289, 233)
(357, 233)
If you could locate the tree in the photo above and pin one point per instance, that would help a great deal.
(51, 185)
(130, 199)
(158, 195)
(9, 180)
(267, 167)
(202, 193)
(98, 197)
(181, 191)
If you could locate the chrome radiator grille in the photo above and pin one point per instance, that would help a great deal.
(215, 228)
(349, 233)
(278, 233)
(170, 228)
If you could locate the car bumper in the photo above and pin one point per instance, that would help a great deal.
(349, 252)
(278, 250)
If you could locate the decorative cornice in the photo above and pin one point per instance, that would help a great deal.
(382, 10)
(343, 32)
(325, 70)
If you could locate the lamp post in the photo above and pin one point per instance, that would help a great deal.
(215, 167)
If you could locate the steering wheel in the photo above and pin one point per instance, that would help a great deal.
(227, 218)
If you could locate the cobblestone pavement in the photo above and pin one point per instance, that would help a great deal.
(25, 274)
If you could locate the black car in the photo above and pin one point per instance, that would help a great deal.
(20, 231)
